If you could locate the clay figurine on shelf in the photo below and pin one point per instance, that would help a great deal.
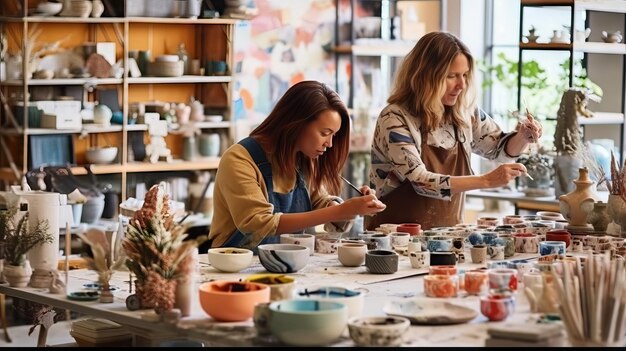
(157, 148)
(56, 285)
(531, 37)
(612, 37)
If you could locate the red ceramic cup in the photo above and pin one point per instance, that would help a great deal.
(559, 235)
(497, 306)
(411, 228)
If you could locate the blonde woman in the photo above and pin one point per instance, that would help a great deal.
(425, 135)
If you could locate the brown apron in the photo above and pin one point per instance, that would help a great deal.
(404, 205)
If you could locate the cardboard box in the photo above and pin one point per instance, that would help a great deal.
(61, 121)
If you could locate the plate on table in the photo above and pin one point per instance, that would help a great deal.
(430, 311)
(97, 286)
(85, 295)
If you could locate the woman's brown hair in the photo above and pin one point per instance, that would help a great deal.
(421, 80)
(300, 105)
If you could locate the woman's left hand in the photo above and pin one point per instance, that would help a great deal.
(366, 190)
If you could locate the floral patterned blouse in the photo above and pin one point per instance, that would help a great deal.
(396, 150)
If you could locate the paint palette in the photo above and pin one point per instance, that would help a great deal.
(84, 295)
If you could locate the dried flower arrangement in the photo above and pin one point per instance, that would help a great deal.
(616, 186)
(156, 250)
(18, 238)
(107, 258)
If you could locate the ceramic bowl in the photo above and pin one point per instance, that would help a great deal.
(353, 299)
(102, 155)
(308, 322)
(281, 286)
(283, 258)
(378, 331)
(230, 301)
(49, 8)
(230, 259)
(307, 240)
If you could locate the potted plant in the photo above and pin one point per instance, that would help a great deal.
(157, 253)
(19, 238)
(540, 168)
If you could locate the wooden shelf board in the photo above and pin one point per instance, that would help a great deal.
(189, 21)
(180, 80)
(160, 20)
(600, 48)
(64, 81)
(615, 6)
(345, 49)
(99, 169)
(46, 131)
(7, 174)
(545, 46)
(175, 165)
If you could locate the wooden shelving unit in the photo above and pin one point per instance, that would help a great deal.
(204, 39)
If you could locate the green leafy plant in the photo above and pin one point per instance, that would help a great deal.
(18, 238)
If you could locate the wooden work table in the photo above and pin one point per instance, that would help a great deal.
(322, 269)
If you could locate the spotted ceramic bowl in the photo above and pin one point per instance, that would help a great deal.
(378, 331)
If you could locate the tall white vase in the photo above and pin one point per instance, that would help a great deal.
(43, 205)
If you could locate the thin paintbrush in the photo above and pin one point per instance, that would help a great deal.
(352, 186)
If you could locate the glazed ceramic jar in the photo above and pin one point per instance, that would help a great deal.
(497, 306)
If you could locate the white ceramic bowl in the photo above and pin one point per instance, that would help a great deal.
(49, 8)
(102, 155)
(167, 58)
(230, 259)
(283, 258)
(308, 322)
(378, 331)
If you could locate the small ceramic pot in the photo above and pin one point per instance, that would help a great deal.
(475, 282)
(503, 279)
(551, 248)
(388, 228)
(495, 252)
(381, 261)
(488, 237)
(497, 307)
(442, 258)
(352, 254)
(411, 228)
(475, 238)
(508, 242)
(383, 242)
(490, 221)
(230, 259)
(439, 244)
(442, 270)
(512, 219)
(438, 285)
(378, 331)
(400, 238)
(478, 253)
(559, 235)
(526, 243)
(419, 259)
(307, 240)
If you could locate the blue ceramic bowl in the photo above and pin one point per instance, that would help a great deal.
(476, 238)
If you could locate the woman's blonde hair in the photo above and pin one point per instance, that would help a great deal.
(421, 81)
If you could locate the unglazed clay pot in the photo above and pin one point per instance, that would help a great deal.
(578, 204)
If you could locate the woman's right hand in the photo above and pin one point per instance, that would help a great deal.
(503, 174)
(361, 205)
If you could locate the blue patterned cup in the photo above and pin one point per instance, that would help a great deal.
(488, 237)
(439, 245)
(476, 238)
(551, 248)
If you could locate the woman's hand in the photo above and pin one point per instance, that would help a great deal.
(365, 190)
(503, 174)
(530, 129)
(361, 205)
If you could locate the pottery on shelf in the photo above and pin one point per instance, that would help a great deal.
(612, 37)
(578, 204)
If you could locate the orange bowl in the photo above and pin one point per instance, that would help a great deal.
(232, 301)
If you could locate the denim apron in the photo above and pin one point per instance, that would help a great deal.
(295, 201)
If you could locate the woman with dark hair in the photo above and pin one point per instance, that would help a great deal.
(424, 138)
(285, 177)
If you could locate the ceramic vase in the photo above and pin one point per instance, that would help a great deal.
(599, 217)
(616, 209)
(18, 276)
(578, 204)
(97, 8)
